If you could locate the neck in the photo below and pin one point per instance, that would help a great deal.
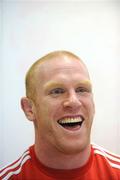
(58, 160)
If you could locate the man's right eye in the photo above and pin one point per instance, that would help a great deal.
(57, 91)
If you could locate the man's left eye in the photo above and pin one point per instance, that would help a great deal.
(82, 90)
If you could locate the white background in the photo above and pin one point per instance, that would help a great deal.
(29, 30)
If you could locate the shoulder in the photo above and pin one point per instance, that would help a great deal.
(15, 167)
(112, 159)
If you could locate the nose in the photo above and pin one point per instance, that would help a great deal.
(72, 101)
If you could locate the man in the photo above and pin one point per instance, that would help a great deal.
(59, 102)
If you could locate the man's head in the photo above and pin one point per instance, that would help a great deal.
(32, 72)
(60, 102)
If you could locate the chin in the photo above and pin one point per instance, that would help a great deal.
(75, 148)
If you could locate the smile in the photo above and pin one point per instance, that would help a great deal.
(71, 122)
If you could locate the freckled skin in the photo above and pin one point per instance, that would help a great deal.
(69, 76)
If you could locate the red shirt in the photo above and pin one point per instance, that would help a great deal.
(102, 165)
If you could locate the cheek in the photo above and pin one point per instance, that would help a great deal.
(89, 108)
(90, 103)
(92, 107)
(46, 112)
(52, 108)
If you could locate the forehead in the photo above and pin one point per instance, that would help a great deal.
(60, 68)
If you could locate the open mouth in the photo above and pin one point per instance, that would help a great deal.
(71, 122)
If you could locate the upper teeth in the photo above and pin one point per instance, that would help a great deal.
(70, 120)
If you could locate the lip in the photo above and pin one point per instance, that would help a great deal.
(71, 129)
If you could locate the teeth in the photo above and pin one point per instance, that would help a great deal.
(70, 120)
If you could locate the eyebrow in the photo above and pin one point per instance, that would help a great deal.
(86, 82)
(53, 84)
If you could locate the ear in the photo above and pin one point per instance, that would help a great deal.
(27, 106)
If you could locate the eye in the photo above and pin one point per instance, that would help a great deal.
(57, 91)
(82, 90)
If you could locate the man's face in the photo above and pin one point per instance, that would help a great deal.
(64, 107)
